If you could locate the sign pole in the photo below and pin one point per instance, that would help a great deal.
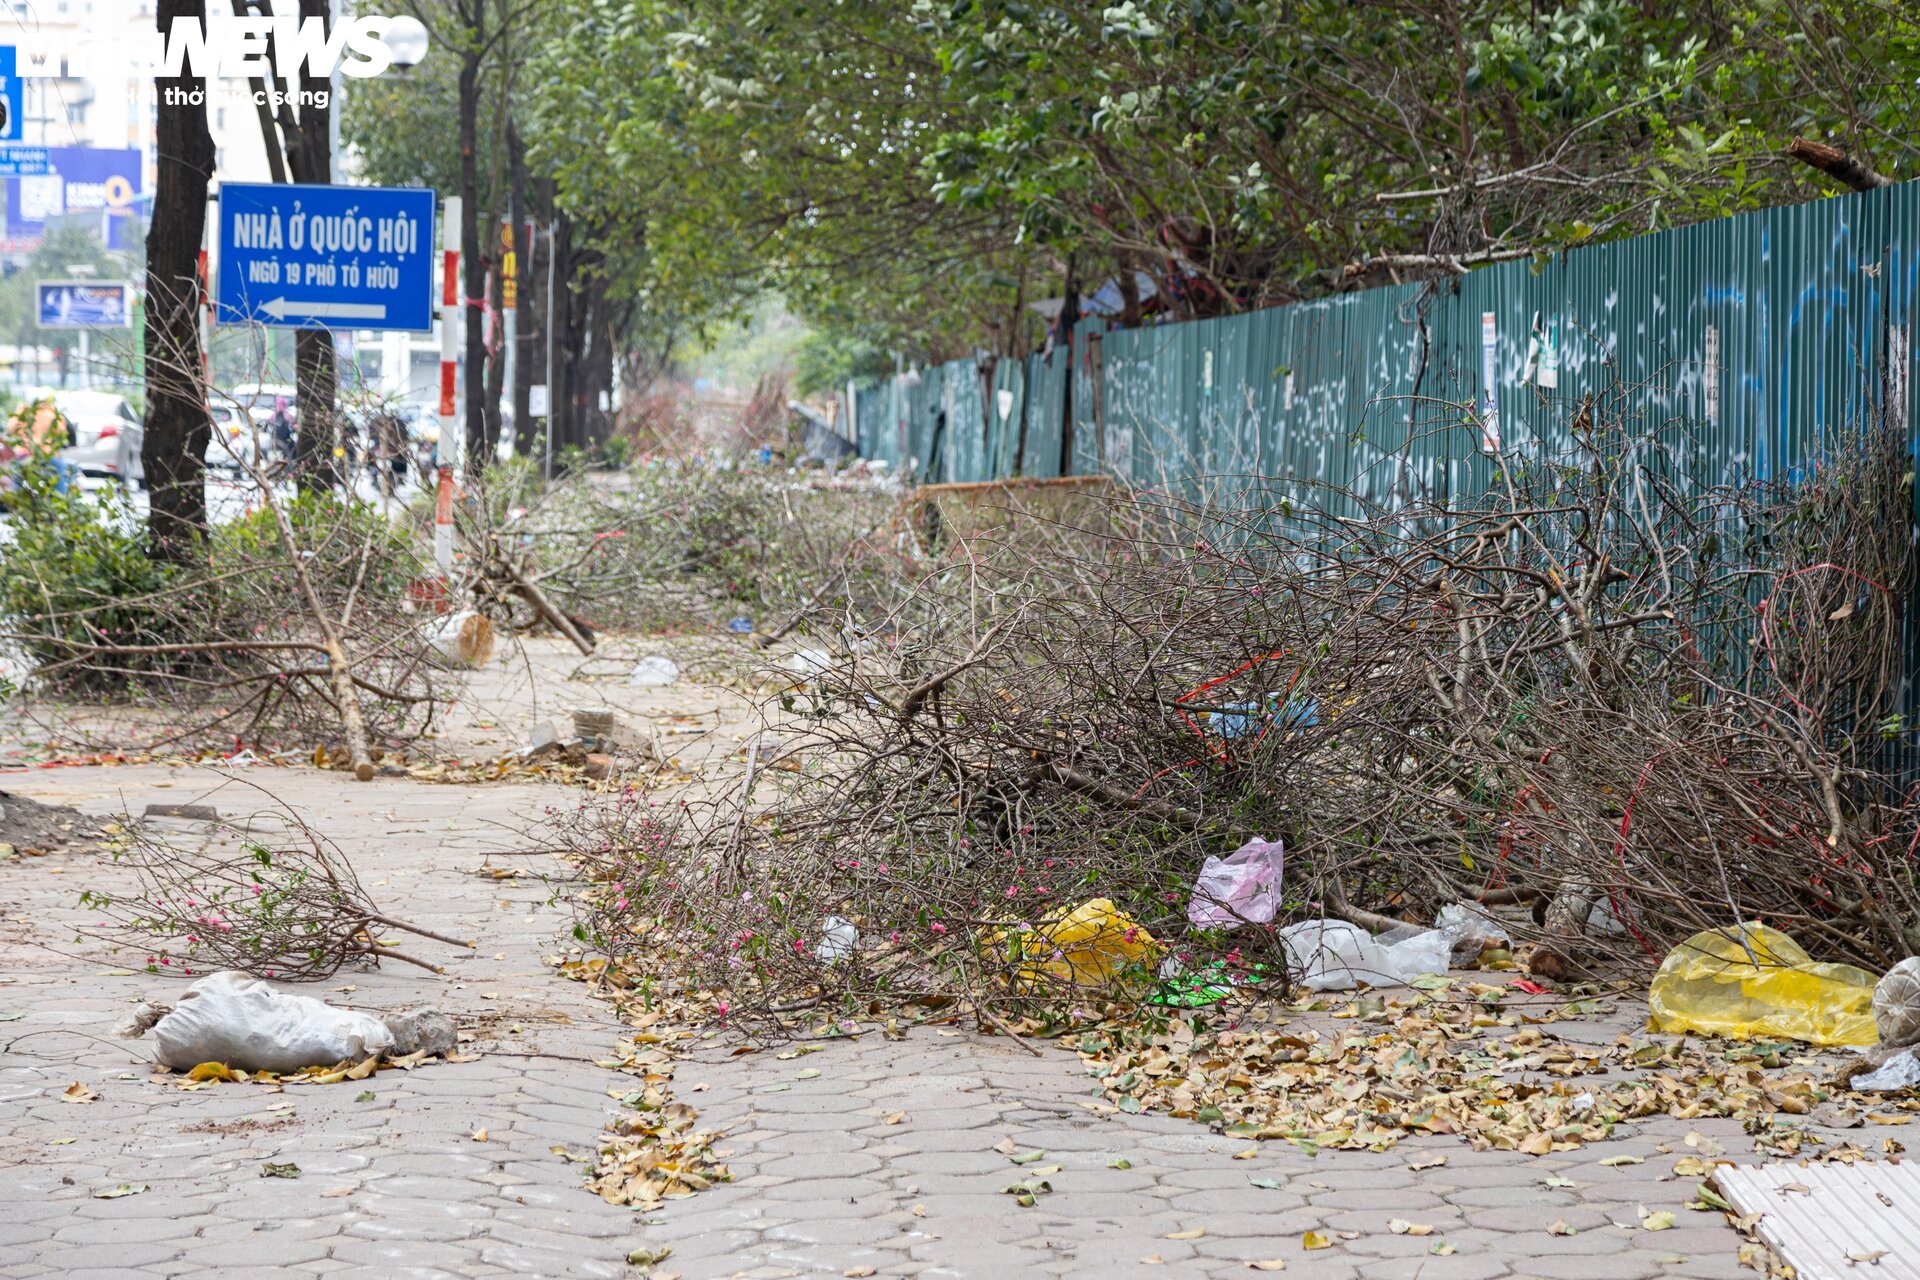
(445, 450)
(553, 388)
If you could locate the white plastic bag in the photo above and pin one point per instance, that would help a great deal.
(654, 672)
(808, 663)
(246, 1024)
(838, 938)
(1241, 888)
(1429, 952)
(1332, 955)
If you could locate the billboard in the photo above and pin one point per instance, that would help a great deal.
(104, 181)
(83, 304)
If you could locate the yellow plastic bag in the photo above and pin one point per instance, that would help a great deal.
(1750, 982)
(1090, 944)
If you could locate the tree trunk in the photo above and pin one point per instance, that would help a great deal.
(316, 382)
(479, 440)
(177, 426)
(523, 370)
(600, 366)
(309, 151)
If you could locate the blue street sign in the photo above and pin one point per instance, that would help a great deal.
(83, 304)
(13, 107)
(314, 257)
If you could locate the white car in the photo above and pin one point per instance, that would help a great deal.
(234, 437)
(107, 434)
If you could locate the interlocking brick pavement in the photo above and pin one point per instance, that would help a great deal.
(822, 1184)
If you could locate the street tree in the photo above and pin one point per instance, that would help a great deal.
(178, 427)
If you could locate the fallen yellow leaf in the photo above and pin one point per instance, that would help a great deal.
(1315, 1240)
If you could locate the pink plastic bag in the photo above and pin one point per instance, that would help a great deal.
(1242, 888)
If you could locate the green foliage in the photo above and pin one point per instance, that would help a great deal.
(345, 541)
(827, 358)
(76, 573)
(916, 174)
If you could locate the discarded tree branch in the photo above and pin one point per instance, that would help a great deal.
(1837, 164)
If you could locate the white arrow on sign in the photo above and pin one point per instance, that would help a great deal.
(279, 307)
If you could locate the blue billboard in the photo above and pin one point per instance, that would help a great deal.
(103, 181)
(83, 304)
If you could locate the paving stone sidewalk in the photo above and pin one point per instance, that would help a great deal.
(824, 1185)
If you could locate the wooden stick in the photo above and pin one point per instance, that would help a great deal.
(544, 607)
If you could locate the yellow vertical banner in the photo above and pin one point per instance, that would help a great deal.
(509, 269)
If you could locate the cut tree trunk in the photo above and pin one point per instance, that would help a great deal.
(1837, 164)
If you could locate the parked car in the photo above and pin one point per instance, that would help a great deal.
(106, 434)
(233, 438)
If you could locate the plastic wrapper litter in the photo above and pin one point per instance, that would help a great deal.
(1750, 982)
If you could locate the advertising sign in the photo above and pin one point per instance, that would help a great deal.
(97, 180)
(83, 304)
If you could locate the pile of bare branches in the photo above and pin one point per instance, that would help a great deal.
(268, 896)
(678, 543)
(303, 623)
(1639, 704)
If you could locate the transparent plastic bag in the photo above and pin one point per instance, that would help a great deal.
(1901, 1071)
(1747, 982)
(838, 938)
(1470, 930)
(1241, 888)
(654, 672)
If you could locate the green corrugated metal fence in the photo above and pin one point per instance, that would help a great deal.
(1763, 332)
(1745, 343)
